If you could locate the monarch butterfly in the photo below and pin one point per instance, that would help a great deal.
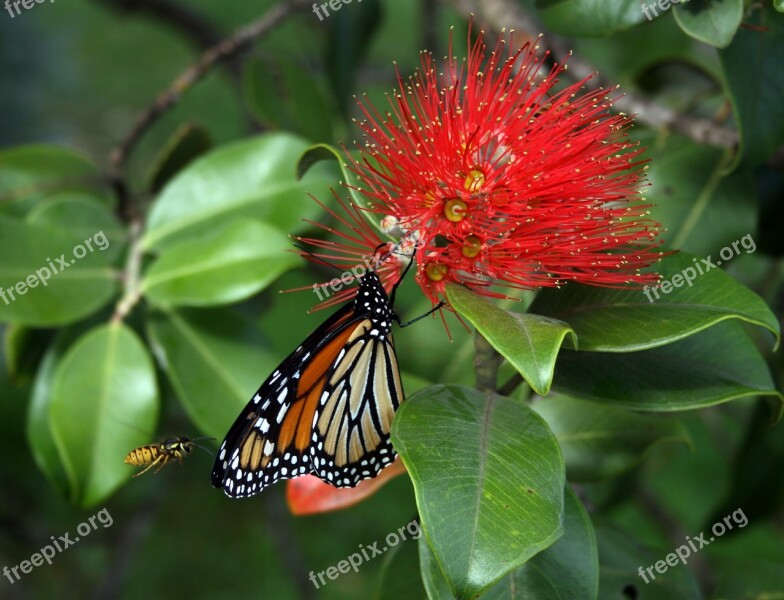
(327, 409)
(160, 454)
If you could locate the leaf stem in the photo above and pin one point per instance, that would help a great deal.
(486, 363)
(131, 275)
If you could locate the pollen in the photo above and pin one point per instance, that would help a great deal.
(436, 271)
(472, 246)
(474, 181)
(455, 210)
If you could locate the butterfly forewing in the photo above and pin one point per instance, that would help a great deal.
(327, 409)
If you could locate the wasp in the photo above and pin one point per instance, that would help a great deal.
(160, 454)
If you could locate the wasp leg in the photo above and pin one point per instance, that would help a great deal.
(152, 464)
(165, 458)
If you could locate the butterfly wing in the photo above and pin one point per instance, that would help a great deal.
(270, 438)
(327, 408)
(359, 401)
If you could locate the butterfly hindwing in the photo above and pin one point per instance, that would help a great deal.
(351, 432)
(347, 366)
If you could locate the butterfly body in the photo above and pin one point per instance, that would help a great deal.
(327, 409)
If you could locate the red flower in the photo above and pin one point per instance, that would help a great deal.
(358, 250)
(501, 179)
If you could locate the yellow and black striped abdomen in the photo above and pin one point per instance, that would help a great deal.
(142, 456)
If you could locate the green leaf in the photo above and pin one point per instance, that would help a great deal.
(529, 342)
(567, 570)
(325, 152)
(623, 320)
(711, 21)
(600, 441)
(254, 178)
(48, 276)
(752, 68)
(620, 559)
(282, 94)
(30, 173)
(85, 218)
(230, 265)
(39, 432)
(714, 366)
(185, 145)
(214, 360)
(502, 501)
(584, 18)
(105, 381)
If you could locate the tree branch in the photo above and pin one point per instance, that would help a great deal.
(498, 14)
(188, 23)
(214, 55)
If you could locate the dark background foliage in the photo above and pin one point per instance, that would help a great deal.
(707, 82)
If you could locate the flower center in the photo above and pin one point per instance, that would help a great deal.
(436, 272)
(472, 246)
(474, 181)
(455, 210)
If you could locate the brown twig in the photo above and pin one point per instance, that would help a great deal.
(181, 18)
(495, 15)
(217, 53)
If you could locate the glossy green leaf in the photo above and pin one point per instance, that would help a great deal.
(711, 21)
(254, 178)
(711, 367)
(30, 173)
(752, 69)
(600, 441)
(621, 558)
(502, 501)
(325, 152)
(230, 265)
(283, 94)
(215, 361)
(49, 277)
(590, 17)
(105, 381)
(185, 145)
(567, 570)
(528, 341)
(85, 218)
(39, 432)
(623, 320)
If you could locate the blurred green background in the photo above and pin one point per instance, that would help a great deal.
(77, 73)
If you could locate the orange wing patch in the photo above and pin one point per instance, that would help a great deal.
(297, 426)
